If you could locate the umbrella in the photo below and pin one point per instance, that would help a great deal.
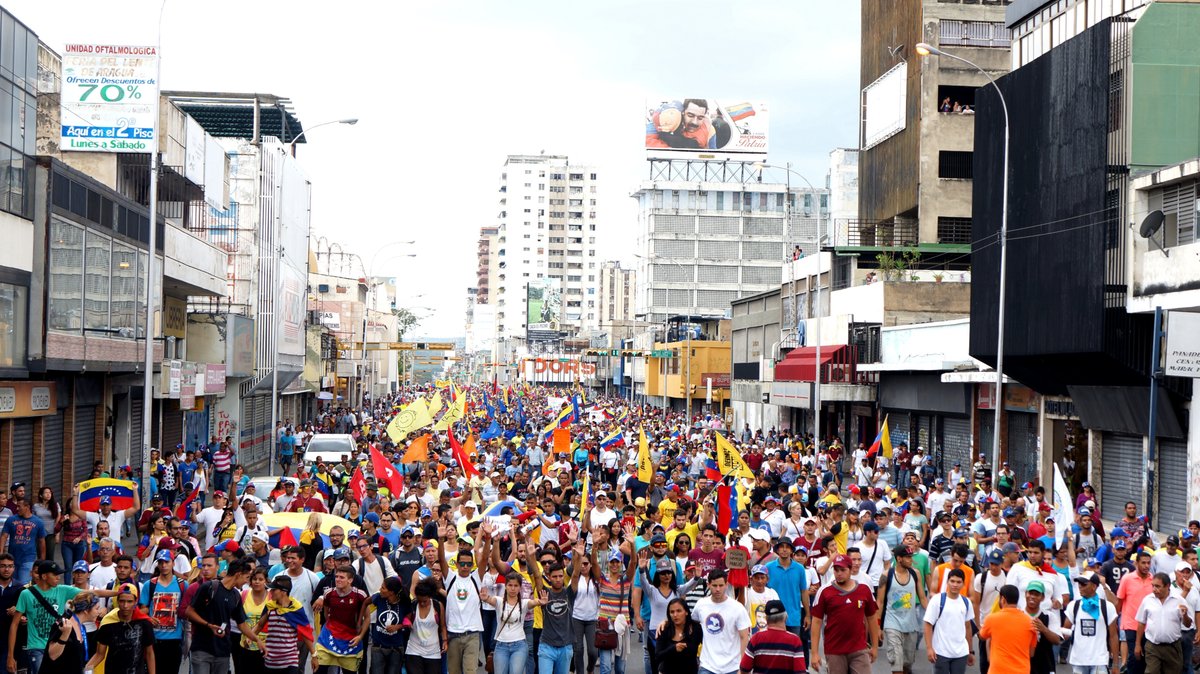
(324, 395)
(293, 525)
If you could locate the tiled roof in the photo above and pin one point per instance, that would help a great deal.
(237, 121)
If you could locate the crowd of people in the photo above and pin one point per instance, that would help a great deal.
(491, 546)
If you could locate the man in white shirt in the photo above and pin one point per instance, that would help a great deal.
(115, 518)
(1164, 560)
(206, 520)
(1091, 621)
(304, 582)
(601, 514)
(937, 498)
(948, 626)
(1161, 619)
(725, 627)
(875, 555)
(773, 516)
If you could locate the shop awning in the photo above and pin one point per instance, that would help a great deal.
(800, 363)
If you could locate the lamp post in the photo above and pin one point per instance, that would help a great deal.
(926, 49)
(277, 292)
(817, 299)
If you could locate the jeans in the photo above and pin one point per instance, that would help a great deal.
(489, 631)
(1085, 669)
(168, 654)
(650, 661)
(709, 671)
(584, 633)
(386, 660)
(945, 665)
(509, 657)
(1186, 640)
(22, 576)
(612, 662)
(33, 660)
(221, 481)
(415, 664)
(462, 653)
(1134, 665)
(554, 659)
(72, 552)
(207, 663)
(532, 638)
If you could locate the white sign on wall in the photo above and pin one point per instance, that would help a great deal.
(1182, 358)
(109, 98)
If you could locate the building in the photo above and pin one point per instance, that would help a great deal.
(843, 187)
(264, 231)
(485, 271)
(1099, 136)
(617, 293)
(755, 342)
(546, 240)
(706, 243)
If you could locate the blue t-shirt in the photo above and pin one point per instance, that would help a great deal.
(387, 614)
(288, 445)
(23, 537)
(187, 471)
(392, 536)
(788, 584)
(163, 608)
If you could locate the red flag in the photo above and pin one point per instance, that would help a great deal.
(724, 512)
(287, 538)
(461, 457)
(385, 473)
(358, 484)
(181, 512)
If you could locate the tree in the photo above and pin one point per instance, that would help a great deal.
(405, 321)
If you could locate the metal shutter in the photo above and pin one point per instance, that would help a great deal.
(135, 428)
(245, 436)
(1120, 475)
(956, 443)
(898, 428)
(172, 425)
(1023, 446)
(1172, 485)
(22, 453)
(262, 433)
(85, 442)
(52, 452)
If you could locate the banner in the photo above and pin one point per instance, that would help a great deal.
(543, 309)
(562, 441)
(109, 98)
(119, 492)
(644, 463)
(729, 462)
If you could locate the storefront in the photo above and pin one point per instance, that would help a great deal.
(924, 412)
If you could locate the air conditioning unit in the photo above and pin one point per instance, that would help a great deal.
(837, 374)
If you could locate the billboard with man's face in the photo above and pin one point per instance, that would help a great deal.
(543, 309)
(706, 126)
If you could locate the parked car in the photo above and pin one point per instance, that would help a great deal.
(329, 447)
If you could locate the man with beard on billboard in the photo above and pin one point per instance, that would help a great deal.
(691, 125)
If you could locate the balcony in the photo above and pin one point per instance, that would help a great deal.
(882, 234)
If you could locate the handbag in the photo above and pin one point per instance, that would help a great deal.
(606, 636)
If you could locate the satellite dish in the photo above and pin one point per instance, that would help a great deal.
(1150, 226)
(1152, 223)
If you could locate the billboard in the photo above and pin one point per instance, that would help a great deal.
(109, 98)
(885, 106)
(706, 125)
(543, 309)
(552, 369)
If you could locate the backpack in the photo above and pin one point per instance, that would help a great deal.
(454, 579)
(942, 607)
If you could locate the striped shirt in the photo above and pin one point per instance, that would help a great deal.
(282, 643)
(222, 460)
(614, 598)
(774, 651)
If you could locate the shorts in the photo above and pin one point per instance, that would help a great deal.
(901, 648)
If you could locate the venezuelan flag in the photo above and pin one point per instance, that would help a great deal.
(740, 111)
(614, 439)
(120, 492)
(293, 612)
(882, 441)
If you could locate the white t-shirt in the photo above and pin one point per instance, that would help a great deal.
(721, 624)
(302, 588)
(1090, 647)
(462, 603)
(949, 625)
(774, 520)
(100, 577)
(875, 560)
(988, 587)
(510, 620)
(756, 603)
(207, 520)
(374, 573)
(597, 517)
(116, 520)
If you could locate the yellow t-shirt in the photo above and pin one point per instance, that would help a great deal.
(668, 508)
(692, 530)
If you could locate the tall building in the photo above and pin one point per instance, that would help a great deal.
(704, 244)
(546, 237)
(618, 294)
(485, 270)
(843, 186)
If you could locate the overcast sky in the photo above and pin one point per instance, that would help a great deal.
(445, 90)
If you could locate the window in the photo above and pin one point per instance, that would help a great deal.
(954, 230)
(593, 176)
(14, 306)
(1182, 209)
(576, 176)
(973, 34)
(955, 165)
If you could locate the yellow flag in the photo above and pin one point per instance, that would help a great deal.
(729, 462)
(414, 415)
(645, 465)
(435, 404)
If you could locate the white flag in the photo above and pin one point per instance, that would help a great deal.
(1064, 508)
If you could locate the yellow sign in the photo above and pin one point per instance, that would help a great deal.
(729, 462)
(174, 317)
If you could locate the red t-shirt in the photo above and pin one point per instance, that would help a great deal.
(843, 614)
(342, 612)
(312, 504)
(707, 561)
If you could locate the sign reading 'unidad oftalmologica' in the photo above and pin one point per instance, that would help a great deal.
(109, 98)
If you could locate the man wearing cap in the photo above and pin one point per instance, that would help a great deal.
(289, 493)
(1183, 586)
(160, 598)
(307, 501)
(124, 641)
(407, 557)
(775, 649)
(115, 518)
(260, 548)
(1091, 623)
(40, 611)
(875, 553)
(789, 579)
(1047, 623)
(1164, 560)
(843, 608)
(901, 597)
(24, 537)
(756, 597)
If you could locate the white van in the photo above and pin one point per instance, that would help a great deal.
(329, 448)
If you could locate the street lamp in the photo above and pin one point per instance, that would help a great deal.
(926, 49)
(817, 299)
(276, 319)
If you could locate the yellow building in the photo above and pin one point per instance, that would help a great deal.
(669, 375)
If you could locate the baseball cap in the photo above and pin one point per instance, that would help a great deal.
(83, 566)
(219, 493)
(47, 566)
(757, 569)
(1117, 532)
(615, 556)
(1182, 566)
(261, 536)
(784, 541)
(1010, 547)
(1085, 511)
(1172, 540)
(995, 557)
(105, 500)
(961, 532)
(469, 504)
(901, 551)
(659, 538)
(870, 526)
(842, 561)
(774, 608)
(1010, 512)
(1036, 586)
(1087, 577)
(281, 582)
(1120, 544)
(162, 556)
(341, 553)
(1027, 485)
(426, 513)
(371, 517)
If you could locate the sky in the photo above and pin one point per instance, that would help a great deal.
(444, 91)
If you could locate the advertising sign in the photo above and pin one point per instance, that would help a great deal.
(706, 125)
(27, 399)
(109, 98)
(559, 370)
(885, 106)
(543, 312)
(1183, 345)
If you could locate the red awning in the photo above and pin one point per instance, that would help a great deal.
(800, 363)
